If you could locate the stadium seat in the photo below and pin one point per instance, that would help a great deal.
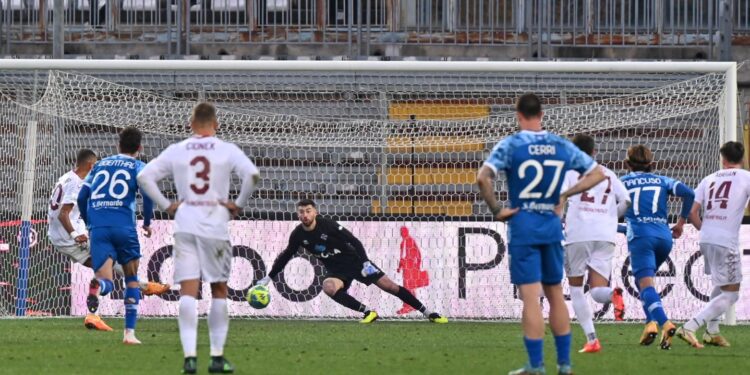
(14, 4)
(139, 5)
(228, 5)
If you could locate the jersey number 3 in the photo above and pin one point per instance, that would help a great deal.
(201, 174)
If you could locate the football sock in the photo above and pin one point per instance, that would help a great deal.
(652, 303)
(218, 325)
(583, 312)
(562, 344)
(602, 294)
(647, 313)
(405, 295)
(535, 349)
(714, 309)
(105, 286)
(132, 297)
(188, 323)
(343, 298)
(712, 326)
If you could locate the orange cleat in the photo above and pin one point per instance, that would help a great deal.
(591, 347)
(619, 304)
(155, 289)
(95, 322)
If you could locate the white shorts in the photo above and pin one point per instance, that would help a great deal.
(78, 253)
(722, 263)
(203, 258)
(594, 254)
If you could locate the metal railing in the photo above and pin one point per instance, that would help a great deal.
(361, 26)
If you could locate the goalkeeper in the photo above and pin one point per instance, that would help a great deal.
(345, 260)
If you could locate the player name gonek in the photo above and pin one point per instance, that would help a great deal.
(200, 146)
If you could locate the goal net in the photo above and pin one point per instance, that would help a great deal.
(390, 153)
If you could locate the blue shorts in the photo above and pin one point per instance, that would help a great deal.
(119, 243)
(647, 254)
(534, 263)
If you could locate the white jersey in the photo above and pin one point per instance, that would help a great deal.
(592, 215)
(723, 196)
(202, 170)
(65, 192)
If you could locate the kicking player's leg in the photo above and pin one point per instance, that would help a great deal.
(216, 265)
(187, 273)
(725, 268)
(526, 273)
(646, 259)
(386, 284)
(102, 258)
(559, 318)
(576, 258)
(335, 287)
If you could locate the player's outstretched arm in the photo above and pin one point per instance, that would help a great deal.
(589, 180)
(688, 196)
(283, 258)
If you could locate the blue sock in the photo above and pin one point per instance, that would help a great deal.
(652, 303)
(105, 286)
(649, 318)
(535, 348)
(132, 296)
(562, 344)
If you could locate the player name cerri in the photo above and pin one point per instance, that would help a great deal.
(542, 150)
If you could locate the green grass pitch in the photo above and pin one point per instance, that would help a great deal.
(64, 346)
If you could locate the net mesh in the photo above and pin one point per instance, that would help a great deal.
(393, 156)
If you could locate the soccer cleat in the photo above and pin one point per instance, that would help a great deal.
(591, 347)
(667, 332)
(92, 300)
(715, 340)
(95, 322)
(155, 289)
(437, 318)
(619, 304)
(220, 365)
(190, 366)
(689, 337)
(370, 316)
(564, 370)
(649, 333)
(128, 338)
(528, 370)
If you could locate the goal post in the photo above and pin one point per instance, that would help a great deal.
(389, 149)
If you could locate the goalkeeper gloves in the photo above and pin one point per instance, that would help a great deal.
(369, 269)
(264, 281)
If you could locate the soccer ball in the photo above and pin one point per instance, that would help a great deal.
(259, 296)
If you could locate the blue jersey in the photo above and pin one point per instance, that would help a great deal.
(535, 164)
(648, 214)
(109, 193)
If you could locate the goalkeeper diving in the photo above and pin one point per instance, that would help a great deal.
(345, 260)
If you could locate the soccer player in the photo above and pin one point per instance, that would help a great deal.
(649, 236)
(202, 167)
(68, 232)
(534, 161)
(109, 197)
(345, 260)
(590, 231)
(723, 197)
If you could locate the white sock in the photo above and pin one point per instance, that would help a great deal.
(218, 325)
(602, 294)
(713, 325)
(715, 308)
(583, 312)
(188, 323)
